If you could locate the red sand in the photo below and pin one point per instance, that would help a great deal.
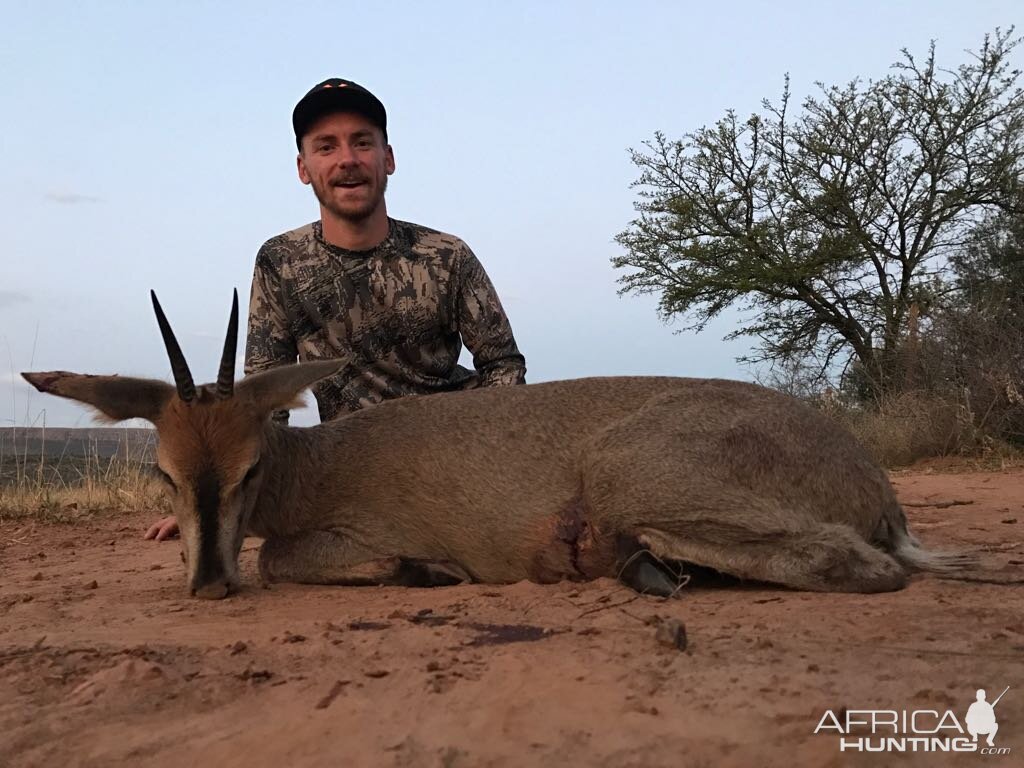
(130, 671)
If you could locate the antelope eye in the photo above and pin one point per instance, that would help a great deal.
(166, 478)
(253, 470)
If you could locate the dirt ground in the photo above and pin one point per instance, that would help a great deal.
(105, 661)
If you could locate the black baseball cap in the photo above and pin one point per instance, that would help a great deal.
(336, 95)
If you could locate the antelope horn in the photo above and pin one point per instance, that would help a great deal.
(226, 375)
(182, 375)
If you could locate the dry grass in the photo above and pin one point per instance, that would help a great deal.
(904, 429)
(70, 488)
(912, 428)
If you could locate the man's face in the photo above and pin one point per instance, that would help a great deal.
(346, 161)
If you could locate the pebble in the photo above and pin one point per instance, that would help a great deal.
(671, 633)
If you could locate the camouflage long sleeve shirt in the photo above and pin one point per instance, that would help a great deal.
(398, 313)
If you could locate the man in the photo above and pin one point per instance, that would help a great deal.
(396, 300)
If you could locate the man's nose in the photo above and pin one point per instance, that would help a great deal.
(346, 157)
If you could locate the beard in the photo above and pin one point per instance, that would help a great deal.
(352, 212)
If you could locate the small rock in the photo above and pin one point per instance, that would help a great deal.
(38, 576)
(255, 675)
(156, 567)
(338, 687)
(376, 673)
(92, 584)
(440, 684)
(672, 634)
(433, 666)
(813, 668)
(290, 638)
(238, 648)
(1009, 520)
(368, 625)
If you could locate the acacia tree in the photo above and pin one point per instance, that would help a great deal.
(826, 227)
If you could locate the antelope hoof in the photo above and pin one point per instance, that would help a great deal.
(647, 579)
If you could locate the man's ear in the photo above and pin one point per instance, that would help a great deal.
(279, 388)
(115, 397)
(300, 165)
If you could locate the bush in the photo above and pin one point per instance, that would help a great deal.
(903, 429)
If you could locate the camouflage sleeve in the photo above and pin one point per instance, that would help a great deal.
(484, 326)
(269, 340)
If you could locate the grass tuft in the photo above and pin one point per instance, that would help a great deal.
(45, 487)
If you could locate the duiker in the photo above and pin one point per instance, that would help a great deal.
(577, 479)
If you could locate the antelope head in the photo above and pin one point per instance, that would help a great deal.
(211, 439)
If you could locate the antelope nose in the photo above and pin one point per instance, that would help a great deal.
(215, 590)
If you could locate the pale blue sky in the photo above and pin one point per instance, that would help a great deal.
(148, 145)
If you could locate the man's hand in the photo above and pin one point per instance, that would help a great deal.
(167, 528)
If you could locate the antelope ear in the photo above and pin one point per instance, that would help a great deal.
(278, 388)
(115, 397)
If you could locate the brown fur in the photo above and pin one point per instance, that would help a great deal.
(563, 480)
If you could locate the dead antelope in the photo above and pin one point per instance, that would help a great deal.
(574, 479)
